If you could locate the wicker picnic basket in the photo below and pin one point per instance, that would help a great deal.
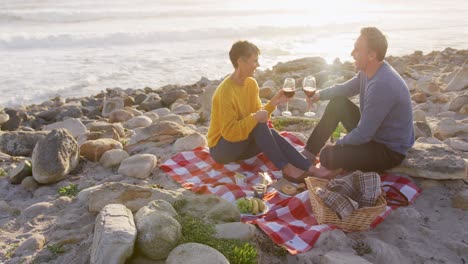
(359, 220)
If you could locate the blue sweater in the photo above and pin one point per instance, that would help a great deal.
(385, 105)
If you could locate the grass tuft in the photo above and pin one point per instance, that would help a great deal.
(70, 190)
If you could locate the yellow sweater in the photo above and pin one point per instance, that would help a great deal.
(232, 111)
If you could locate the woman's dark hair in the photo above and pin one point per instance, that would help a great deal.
(242, 48)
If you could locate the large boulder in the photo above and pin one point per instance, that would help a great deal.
(114, 235)
(138, 166)
(158, 231)
(457, 103)
(120, 115)
(74, 126)
(92, 150)
(190, 142)
(173, 118)
(195, 253)
(20, 143)
(211, 208)
(170, 97)
(132, 196)
(54, 157)
(433, 161)
(14, 120)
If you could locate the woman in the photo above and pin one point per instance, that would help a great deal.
(238, 128)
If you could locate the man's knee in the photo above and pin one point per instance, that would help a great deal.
(337, 103)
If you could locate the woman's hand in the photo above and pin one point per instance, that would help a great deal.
(279, 98)
(261, 116)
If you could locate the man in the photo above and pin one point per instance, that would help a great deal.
(381, 129)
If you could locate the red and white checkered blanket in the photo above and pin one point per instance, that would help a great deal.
(289, 221)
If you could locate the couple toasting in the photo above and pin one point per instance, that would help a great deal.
(380, 129)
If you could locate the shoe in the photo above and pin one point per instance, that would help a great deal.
(299, 179)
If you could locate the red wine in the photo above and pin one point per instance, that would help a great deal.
(289, 92)
(309, 91)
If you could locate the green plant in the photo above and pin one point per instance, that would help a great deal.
(70, 190)
(337, 133)
(56, 249)
(3, 172)
(236, 251)
(11, 251)
(282, 123)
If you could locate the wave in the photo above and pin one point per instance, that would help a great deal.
(26, 41)
(77, 16)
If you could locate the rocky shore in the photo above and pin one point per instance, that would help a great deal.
(80, 182)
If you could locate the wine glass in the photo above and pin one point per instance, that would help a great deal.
(289, 88)
(310, 87)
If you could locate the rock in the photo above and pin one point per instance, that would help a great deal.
(419, 115)
(173, 118)
(113, 157)
(34, 243)
(419, 98)
(190, 142)
(211, 208)
(161, 112)
(169, 98)
(138, 121)
(460, 200)
(133, 111)
(3, 118)
(120, 115)
(20, 143)
(384, 252)
(448, 114)
(205, 99)
(19, 172)
(266, 92)
(74, 126)
(14, 120)
(132, 196)
(457, 144)
(153, 116)
(191, 118)
(160, 131)
(337, 257)
(160, 206)
(103, 126)
(29, 184)
(112, 104)
(182, 109)
(297, 104)
(158, 231)
(464, 110)
(460, 81)
(92, 150)
(36, 209)
(429, 140)
(447, 128)
(313, 64)
(235, 230)
(422, 129)
(49, 114)
(458, 102)
(195, 253)
(433, 161)
(138, 166)
(54, 157)
(203, 82)
(114, 235)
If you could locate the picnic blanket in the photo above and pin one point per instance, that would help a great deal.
(289, 221)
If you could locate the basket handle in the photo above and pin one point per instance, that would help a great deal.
(398, 200)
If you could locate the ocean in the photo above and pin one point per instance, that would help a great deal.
(78, 48)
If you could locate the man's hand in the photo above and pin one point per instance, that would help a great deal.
(314, 98)
(261, 116)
